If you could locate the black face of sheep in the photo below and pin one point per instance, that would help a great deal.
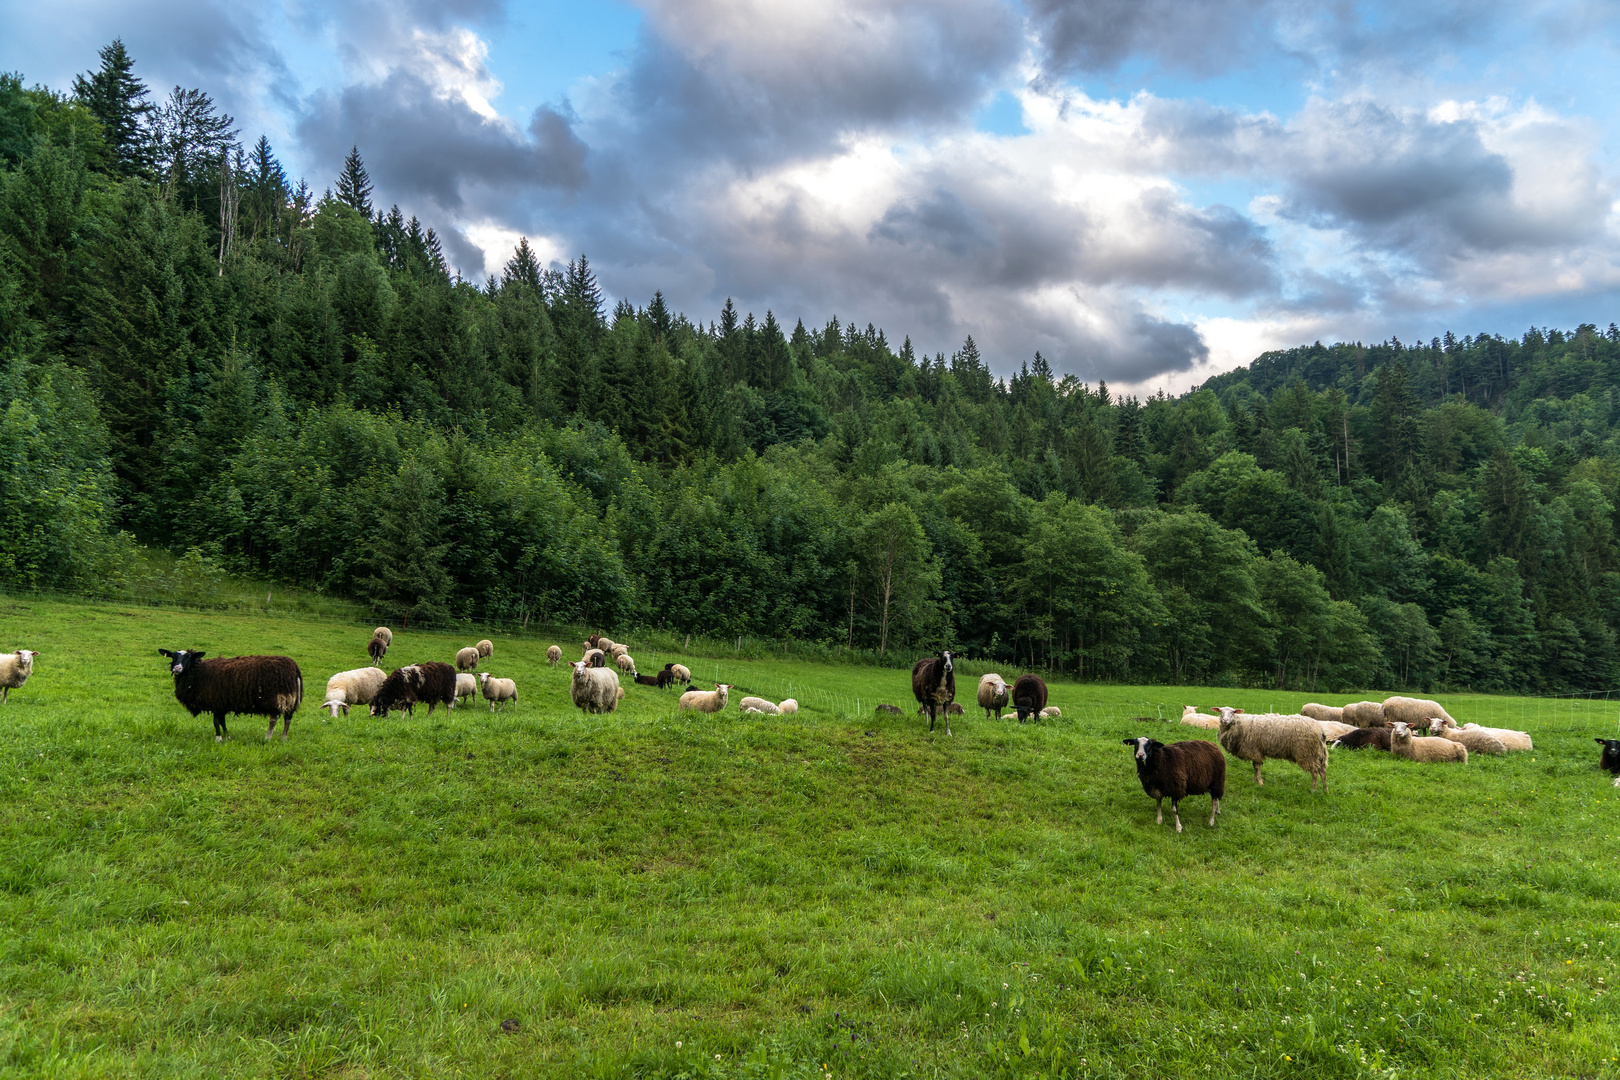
(1193, 767)
(257, 685)
(1611, 755)
(181, 661)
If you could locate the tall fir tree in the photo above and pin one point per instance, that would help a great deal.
(354, 183)
(119, 100)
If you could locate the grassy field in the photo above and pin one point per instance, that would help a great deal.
(831, 894)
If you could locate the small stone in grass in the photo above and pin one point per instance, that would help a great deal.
(511, 1027)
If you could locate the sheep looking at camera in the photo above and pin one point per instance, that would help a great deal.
(705, 701)
(256, 685)
(15, 667)
(1432, 750)
(497, 691)
(1193, 767)
(595, 689)
(994, 693)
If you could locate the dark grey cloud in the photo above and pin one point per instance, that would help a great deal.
(1200, 36)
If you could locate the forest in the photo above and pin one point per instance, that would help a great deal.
(199, 355)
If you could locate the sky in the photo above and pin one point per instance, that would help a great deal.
(1148, 192)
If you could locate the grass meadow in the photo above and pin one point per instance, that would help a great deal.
(645, 894)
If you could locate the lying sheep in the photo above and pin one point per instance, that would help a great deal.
(594, 689)
(1477, 741)
(1193, 718)
(1512, 740)
(1051, 712)
(894, 709)
(767, 707)
(1293, 738)
(648, 680)
(1194, 767)
(994, 693)
(1377, 738)
(1609, 760)
(1434, 751)
(497, 690)
(467, 659)
(466, 688)
(1363, 714)
(624, 663)
(788, 707)
(705, 701)
(1323, 712)
(355, 687)
(1334, 730)
(15, 667)
(553, 655)
(1412, 711)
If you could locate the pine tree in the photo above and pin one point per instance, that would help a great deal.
(581, 291)
(658, 317)
(118, 99)
(354, 184)
(522, 270)
(191, 136)
(266, 188)
(1040, 368)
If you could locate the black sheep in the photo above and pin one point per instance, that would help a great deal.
(1029, 696)
(1611, 758)
(933, 684)
(432, 682)
(1375, 737)
(257, 685)
(650, 680)
(1194, 767)
(376, 648)
(663, 678)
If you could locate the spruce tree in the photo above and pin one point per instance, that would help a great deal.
(658, 317)
(354, 184)
(522, 269)
(118, 99)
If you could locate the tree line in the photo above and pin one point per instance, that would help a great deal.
(200, 355)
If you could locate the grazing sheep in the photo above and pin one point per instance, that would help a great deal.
(705, 701)
(594, 689)
(355, 687)
(467, 659)
(994, 693)
(1363, 737)
(604, 644)
(553, 655)
(1610, 758)
(625, 663)
(15, 667)
(1412, 711)
(662, 679)
(1051, 712)
(594, 658)
(933, 684)
(767, 707)
(593, 642)
(1363, 714)
(1513, 740)
(256, 685)
(466, 688)
(1193, 718)
(406, 687)
(618, 697)
(1477, 741)
(486, 648)
(895, 709)
(788, 707)
(1323, 712)
(1029, 696)
(386, 634)
(619, 649)
(1292, 738)
(681, 673)
(1433, 751)
(1194, 767)
(377, 648)
(497, 690)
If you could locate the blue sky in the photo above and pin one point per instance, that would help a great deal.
(1147, 191)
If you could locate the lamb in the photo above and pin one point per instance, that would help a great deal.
(15, 667)
(1477, 741)
(1413, 711)
(1029, 696)
(386, 634)
(1194, 767)
(625, 662)
(681, 673)
(257, 685)
(1434, 751)
(650, 680)
(594, 658)
(1363, 714)
(377, 648)
(1609, 760)
(895, 709)
(355, 687)
(467, 659)
(1323, 712)
(1051, 712)
(1362, 737)
(1193, 718)
(767, 707)
(595, 689)
(498, 690)
(788, 707)
(933, 684)
(405, 687)
(1513, 740)
(993, 695)
(486, 648)
(1292, 738)
(705, 701)
(553, 655)
(466, 688)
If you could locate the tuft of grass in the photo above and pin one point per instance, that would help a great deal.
(658, 894)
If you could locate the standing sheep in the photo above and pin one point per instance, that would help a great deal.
(1477, 741)
(933, 684)
(1609, 760)
(386, 634)
(467, 659)
(1194, 767)
(15, 667)
(405, 687)
(486, 649)
(1433, 751)
(1413, 711)
(1363, 714)
(466, 689)
(499, 690)
(256, 685)
(355, 687)
(625, 663)
(594, 689)
(705, 701)
(594, 658)
(553, 655)
(681, 673)
(994, 694)
(1292, 738)
(377, 648)
(1029, 696)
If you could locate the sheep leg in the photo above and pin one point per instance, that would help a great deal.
(1175, 811)
(219, 727)
(1257, 778)
(1213, 810)
(1159, 819)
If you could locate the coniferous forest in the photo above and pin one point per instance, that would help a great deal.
(201, 355)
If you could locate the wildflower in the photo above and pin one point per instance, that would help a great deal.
(677, 1044)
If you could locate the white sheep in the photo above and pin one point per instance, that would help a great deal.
(769, 708)
(486, 648)
(386, 634)
(683, 674)
(1363, 714)
(1433, 751)
(1193, 718)
(594, 689)
(1333, 729)
(1051, 712)
(355, 687)
(497, 690)
(1323, 712)
(466, 688)
(788, 707)
(994, 693)
(1477, 741)
(1413, 711)
(619, 648)
(595, 658)
(604, 644)
(1292, 738)
(705, 701)
(15, 667)
(1512, 740)
(467, 659)
(553, 655)
(625, 663)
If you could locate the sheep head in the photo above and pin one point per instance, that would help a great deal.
(181, 660)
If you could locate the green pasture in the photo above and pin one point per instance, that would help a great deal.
(646, 894)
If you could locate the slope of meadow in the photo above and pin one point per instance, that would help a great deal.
(647, 894)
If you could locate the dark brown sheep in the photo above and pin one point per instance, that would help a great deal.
(1375, 737)
(1193, 767)
(256, 685)
(1029, 696)
(377, 648)
(933, 683)
(432, 682)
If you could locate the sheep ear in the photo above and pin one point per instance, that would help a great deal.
(198, 655)
(166, 652)
(1128, 742)
(1601, 742)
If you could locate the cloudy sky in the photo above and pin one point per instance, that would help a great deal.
(1147, 191)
